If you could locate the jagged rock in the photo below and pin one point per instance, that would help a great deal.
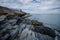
(9, 23)
(12, 21)
(2, 20)
(28, 34)
(45, 30)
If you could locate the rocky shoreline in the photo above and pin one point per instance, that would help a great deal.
(17, 26)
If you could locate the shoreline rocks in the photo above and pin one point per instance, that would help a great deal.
(8, 22)
(40, 28)
(15, 26)
(45, 30)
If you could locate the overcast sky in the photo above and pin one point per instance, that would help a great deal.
(34, 6)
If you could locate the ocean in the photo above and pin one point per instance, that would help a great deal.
(50, 20)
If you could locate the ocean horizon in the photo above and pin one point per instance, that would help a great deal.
(50, 20)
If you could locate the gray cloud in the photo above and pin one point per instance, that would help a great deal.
(33, 6)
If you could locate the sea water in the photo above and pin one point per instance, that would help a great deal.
(51, 20)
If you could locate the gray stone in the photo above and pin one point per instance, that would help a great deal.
(2, 17)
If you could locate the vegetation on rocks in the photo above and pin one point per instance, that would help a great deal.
(35, 23)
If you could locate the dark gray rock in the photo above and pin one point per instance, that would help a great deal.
(45, 30)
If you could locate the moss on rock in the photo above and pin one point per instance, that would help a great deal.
(35, 23)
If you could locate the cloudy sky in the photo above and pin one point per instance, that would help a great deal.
(34, 6)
